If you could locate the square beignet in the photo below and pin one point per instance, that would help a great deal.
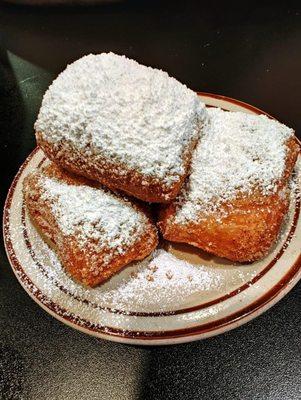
(128, 126)
(233, 203)
(94, 232)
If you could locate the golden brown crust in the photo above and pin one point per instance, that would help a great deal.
(245, 234)
(86, 265)
(248, 230)
(115, 176)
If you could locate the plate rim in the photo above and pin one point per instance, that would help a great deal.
(231, 321)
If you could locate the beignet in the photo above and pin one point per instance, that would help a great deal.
(128, 126)
(95, 232)
(234, 201)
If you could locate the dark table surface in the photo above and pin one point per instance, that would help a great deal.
(248, 52)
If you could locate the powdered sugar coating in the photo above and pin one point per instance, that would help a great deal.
(113, 107)
(237, 153)
(93, 213)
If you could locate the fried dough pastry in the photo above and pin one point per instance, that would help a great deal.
(128, 126)
(234, 201)
(94, 232)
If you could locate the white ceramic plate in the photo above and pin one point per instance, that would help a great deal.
(130, 308)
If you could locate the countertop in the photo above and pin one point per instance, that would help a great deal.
(248, 52)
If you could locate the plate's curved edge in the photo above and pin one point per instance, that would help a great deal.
(236, 102)
(177, 336)
(174, 337)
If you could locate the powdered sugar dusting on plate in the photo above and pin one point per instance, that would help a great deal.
(237, 153)
(161, 282)
(110, 106)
